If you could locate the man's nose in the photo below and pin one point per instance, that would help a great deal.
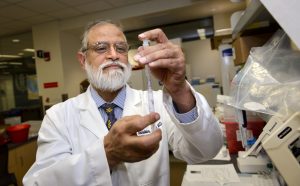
(112, 53)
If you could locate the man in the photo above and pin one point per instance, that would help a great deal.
(78, 142)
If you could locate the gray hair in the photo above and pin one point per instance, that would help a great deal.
(89, 26)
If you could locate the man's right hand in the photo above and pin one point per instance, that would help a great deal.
(123, 145)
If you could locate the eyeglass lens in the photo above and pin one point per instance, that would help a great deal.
(103, 47)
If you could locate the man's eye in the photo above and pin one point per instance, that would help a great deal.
(101, 49)
(121, 48)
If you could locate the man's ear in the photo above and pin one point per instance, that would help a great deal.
(81, 59)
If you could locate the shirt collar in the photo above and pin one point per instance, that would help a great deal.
(119, 100)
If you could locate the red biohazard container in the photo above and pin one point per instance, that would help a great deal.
(18, 133)
(234, 144)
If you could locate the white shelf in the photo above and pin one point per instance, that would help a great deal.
(254, 9)
(284, 13)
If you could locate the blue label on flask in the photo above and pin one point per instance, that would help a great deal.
(227, 52)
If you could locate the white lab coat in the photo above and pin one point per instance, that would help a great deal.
(71, 152)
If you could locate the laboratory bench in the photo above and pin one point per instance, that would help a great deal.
(21, 156)
(220, 172)
(178, 167)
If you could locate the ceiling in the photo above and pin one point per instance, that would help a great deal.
(18, 16)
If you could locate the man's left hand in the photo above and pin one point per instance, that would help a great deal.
(167, 63)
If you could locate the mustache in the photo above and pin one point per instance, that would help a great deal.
(110, 63)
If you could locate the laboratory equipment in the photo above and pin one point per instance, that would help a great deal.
(146, 43)
(227, 67)
(269, 84)
(150, 99)
(242, 121)
(281, 141)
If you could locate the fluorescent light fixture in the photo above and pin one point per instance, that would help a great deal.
(10, 63)
(222, 32)
(15, 40)
(15, 63)
(9, 56)
(20, 53)
(28, 50)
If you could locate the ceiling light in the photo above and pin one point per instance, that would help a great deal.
(9, 56)
(20, 53)
(15, 40)
(222, 32)
(28, 50)
(15, 63)
(10, 63)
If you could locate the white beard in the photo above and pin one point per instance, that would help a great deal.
(112, 80)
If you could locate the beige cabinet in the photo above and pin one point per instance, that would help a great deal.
(177, 170)
(21, 158)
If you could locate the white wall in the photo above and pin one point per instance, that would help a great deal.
(63, 67)
(46, 37)
(203, 61)
(73, 73)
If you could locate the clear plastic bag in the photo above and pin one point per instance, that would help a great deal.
(269, 82)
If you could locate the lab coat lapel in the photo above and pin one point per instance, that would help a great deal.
(90, 118)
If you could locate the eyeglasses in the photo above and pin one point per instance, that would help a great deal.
(104, 47)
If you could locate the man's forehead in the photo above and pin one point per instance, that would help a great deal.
(106, 30)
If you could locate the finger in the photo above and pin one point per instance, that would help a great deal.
(167, 58)
(144, 50)
(138, 123)
(154, 35)
(140, 148)
(173, 65)
(159, 51)
(148, 142)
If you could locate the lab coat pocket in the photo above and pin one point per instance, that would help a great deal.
(158, 181)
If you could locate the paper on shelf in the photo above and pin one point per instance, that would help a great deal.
(210, 175)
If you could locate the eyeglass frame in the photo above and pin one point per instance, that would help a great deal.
(94, 46)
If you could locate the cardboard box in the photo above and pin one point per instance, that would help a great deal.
(243, 44)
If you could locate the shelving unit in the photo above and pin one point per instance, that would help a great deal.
(254, 16)
(284, 13)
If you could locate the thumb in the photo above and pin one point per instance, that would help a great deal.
(142, 122)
